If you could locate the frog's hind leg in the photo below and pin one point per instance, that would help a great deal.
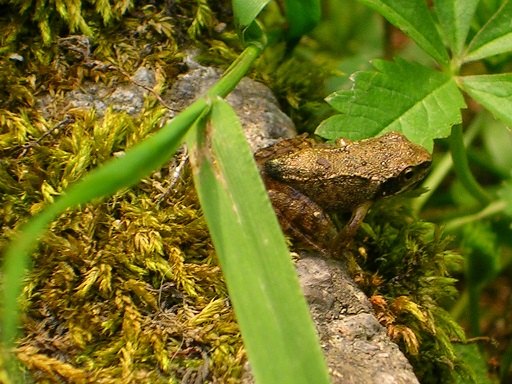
(303, 219)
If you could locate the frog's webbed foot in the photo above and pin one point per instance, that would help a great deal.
(349, 230)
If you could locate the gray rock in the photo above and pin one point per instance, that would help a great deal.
(357, 348)
(255, 105)
(127, 97)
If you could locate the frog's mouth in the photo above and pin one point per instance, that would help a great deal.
(407, 179)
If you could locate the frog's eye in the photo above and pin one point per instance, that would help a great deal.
(408, 173)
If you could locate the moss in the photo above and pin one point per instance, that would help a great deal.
(123, 290)
(404, 269)
(126, 289)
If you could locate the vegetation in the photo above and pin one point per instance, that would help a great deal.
(128, 287)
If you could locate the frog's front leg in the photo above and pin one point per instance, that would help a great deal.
(349, 230)
(300, 217)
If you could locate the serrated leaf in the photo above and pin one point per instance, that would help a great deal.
(421, 103)
(495, 37)
(492, 91)
(274, 319)
(455, 18)
(414, 19)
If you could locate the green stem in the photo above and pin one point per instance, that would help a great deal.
(490, 210)
(443, 166)
(461, 166)
(236, 71)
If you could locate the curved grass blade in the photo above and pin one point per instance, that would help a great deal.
(276, 326)
(246, 11)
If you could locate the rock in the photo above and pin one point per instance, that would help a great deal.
(255, 105)
(127, 97)
(357, 348)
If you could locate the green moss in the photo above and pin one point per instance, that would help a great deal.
(126, 289)
(404, 269)
(123, 290)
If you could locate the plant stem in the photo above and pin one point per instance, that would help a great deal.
(461, 166)
(236, 71)
(444, 165)
(490, 210)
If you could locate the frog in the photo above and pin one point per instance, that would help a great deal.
(309, 183)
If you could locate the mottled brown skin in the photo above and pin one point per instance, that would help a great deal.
(306, 181)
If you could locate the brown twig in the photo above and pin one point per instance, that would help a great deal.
(27, 146)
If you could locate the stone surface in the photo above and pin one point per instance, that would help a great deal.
(127, 97)
(357, 348)
(255, 105)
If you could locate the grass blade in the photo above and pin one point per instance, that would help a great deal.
(276, 326)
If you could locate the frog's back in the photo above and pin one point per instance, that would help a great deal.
(341, 177)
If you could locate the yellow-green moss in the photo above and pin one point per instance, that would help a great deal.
(126, 289)
(404, 269)
(121, 290)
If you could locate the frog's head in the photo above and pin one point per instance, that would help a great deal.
(411, 164)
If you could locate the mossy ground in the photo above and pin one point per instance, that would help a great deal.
(126, 289)
(121, 290)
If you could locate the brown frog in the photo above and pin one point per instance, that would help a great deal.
(307, 181)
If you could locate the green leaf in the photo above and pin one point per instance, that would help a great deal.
(455, 18)
(302, 16)
(421, 103)
(274, 319)
(492, 91)
(414, 19)
(474, 363)
(246, 11)
(495, 37)
(249, 30)
(254, 35)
